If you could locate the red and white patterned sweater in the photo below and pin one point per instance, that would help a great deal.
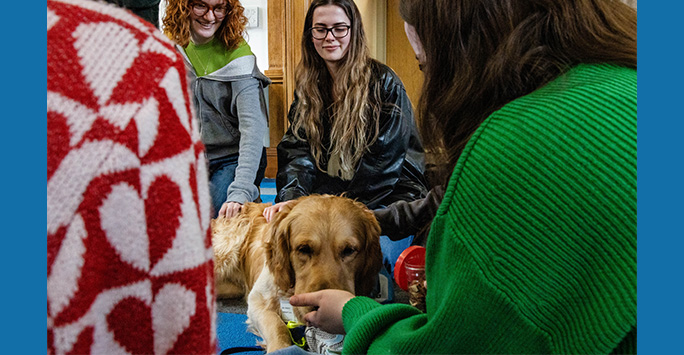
(129, 253)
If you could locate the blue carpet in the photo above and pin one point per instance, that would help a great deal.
(268, 190)
(231, 332)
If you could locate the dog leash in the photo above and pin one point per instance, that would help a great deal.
(297, 330)
(297, 335)
(241, 349)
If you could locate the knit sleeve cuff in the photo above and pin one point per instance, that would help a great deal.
(364, 319)
(356, 308)
(238, 197)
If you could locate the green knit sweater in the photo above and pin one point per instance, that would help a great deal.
(533, 249)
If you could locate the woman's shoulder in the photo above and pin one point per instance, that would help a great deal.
(592, 75)
(385, 76)
(589, 103)
(586, 86)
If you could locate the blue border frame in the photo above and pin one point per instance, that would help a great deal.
(660, 180)
(24, 160)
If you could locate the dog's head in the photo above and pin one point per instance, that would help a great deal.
(324, 241)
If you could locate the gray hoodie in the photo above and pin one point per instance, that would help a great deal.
(231, 108)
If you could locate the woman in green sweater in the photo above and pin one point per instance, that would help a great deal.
(533, 248)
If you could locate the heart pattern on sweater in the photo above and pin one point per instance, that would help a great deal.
(128, 258)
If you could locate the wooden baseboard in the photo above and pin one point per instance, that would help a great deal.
(272, 165)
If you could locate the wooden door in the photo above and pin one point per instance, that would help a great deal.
(285, 19)
(400, 56)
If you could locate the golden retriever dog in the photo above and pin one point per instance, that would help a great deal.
(314, 243)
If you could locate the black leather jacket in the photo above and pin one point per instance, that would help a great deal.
(392, 170)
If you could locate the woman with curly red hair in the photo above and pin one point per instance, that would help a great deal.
(228, 96)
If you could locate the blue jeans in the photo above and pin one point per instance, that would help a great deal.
(391, 249)
(222, 174)
(385, 279)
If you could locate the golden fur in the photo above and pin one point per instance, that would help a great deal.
(315, 242)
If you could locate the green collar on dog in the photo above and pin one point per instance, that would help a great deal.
(297, 333)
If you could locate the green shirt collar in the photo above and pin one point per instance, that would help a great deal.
(213, 55)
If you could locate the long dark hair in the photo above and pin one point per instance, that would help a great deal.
(482, 54)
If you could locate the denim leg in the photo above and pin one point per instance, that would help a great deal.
(222, 174)
(292, 350)
(384, 289)
(391, 249)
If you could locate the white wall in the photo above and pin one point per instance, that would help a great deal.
(257, 37)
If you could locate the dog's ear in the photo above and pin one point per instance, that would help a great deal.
(278, 248)
(366, 275)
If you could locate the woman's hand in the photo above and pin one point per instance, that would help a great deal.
(230, 209)
(270, 211)
(328, 316)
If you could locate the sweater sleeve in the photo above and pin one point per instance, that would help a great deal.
(402, 218)
(364, 319)
(253, 126)
(465, 315)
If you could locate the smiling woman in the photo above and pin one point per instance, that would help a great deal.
(228, 95)
(351, 123)
(329, 35)
(205, 19)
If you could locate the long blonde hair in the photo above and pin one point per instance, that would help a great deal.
(354, 112)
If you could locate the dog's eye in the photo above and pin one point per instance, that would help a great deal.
(305, 249)
(348, 251)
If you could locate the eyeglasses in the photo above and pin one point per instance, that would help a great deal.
(200, 9)
(339, 31)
